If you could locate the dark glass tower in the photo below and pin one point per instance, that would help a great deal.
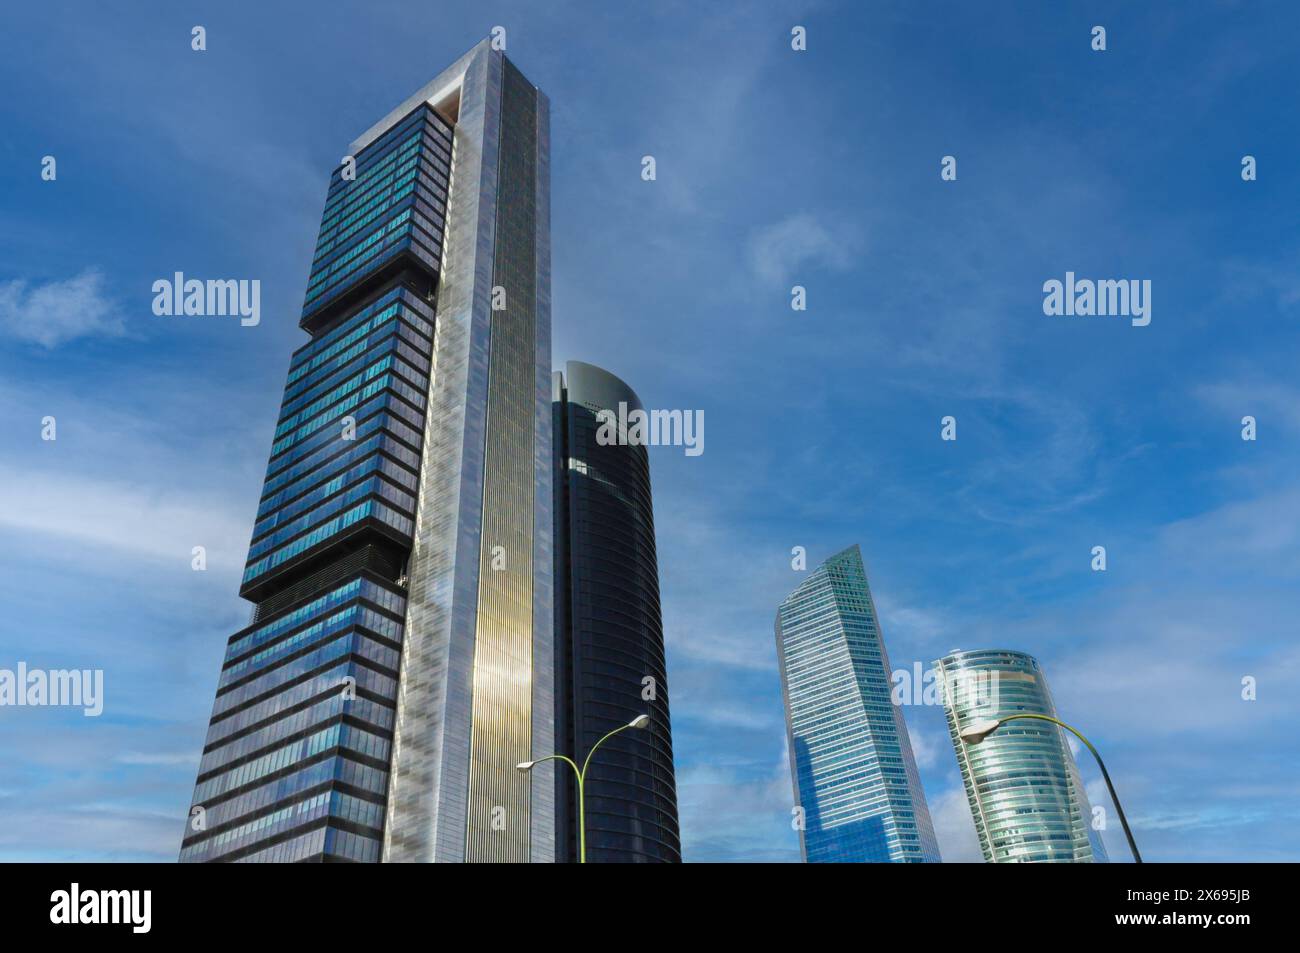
(609, 648)
(399, 661)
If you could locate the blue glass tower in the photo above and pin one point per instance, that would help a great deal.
(296, 761)
(398, 664)
(850, 757)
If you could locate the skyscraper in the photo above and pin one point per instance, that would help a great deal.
(609, 640)
(1021, 781)
(850, 756)
(399, 663)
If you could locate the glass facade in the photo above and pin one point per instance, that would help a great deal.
(501, 709)
(609, 633)
(391, 206)
(398, 664)
(345, 458)
(299, 738)
(475, 691)
(1021, 781)
(297, 758)
(851, 760)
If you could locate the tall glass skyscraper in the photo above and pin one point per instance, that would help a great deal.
(609, 637)
(850, 756)
(400, 660)
(1021, 781)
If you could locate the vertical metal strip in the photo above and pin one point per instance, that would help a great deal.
(498, 828)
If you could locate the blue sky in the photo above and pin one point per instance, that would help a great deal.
(775, 168)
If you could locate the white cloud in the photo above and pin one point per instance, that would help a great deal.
(955, 828)
(927, 748)
(707, 642)
(762, 716)
(158, 758)
(1269, 402)
(737, 812)
(58, 311)
(778, 251)
(151, 523)
(101, 833)
(722, 617)
(912, 633)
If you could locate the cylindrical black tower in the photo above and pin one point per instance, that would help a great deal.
(609, 637)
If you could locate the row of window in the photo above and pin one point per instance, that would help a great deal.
(407, 408)
(355, 360)
(327, 466)
(336, 736)
(373, 199)
(383, 196)
(355, 615)
(338, 768)
(438, 136)
(339, 268)
(264, 632)
(370, 509)
(299, 411)
(354, 327)
(237, 720)
(375, 486)
(373, 465)
(270, 733)
(375, 163)
(271, 681)
(379, 415)
(331, 804)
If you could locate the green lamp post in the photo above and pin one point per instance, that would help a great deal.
(640, 721)
(979, 730)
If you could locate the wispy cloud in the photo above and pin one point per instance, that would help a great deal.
(158, 758)
(99, 833)
(954, 827)
(56, 312)
(737, 812)
(152, 523)
(1270, 402)
(799, 244)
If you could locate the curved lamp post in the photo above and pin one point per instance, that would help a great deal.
(640, 721)
(979, 730)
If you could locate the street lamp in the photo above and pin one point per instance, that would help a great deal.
(640, 721)
(977, 731)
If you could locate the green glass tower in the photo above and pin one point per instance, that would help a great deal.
(1023, 786)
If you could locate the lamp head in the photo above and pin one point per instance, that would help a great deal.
(525, 765)
(977, 731)
(640, 721)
